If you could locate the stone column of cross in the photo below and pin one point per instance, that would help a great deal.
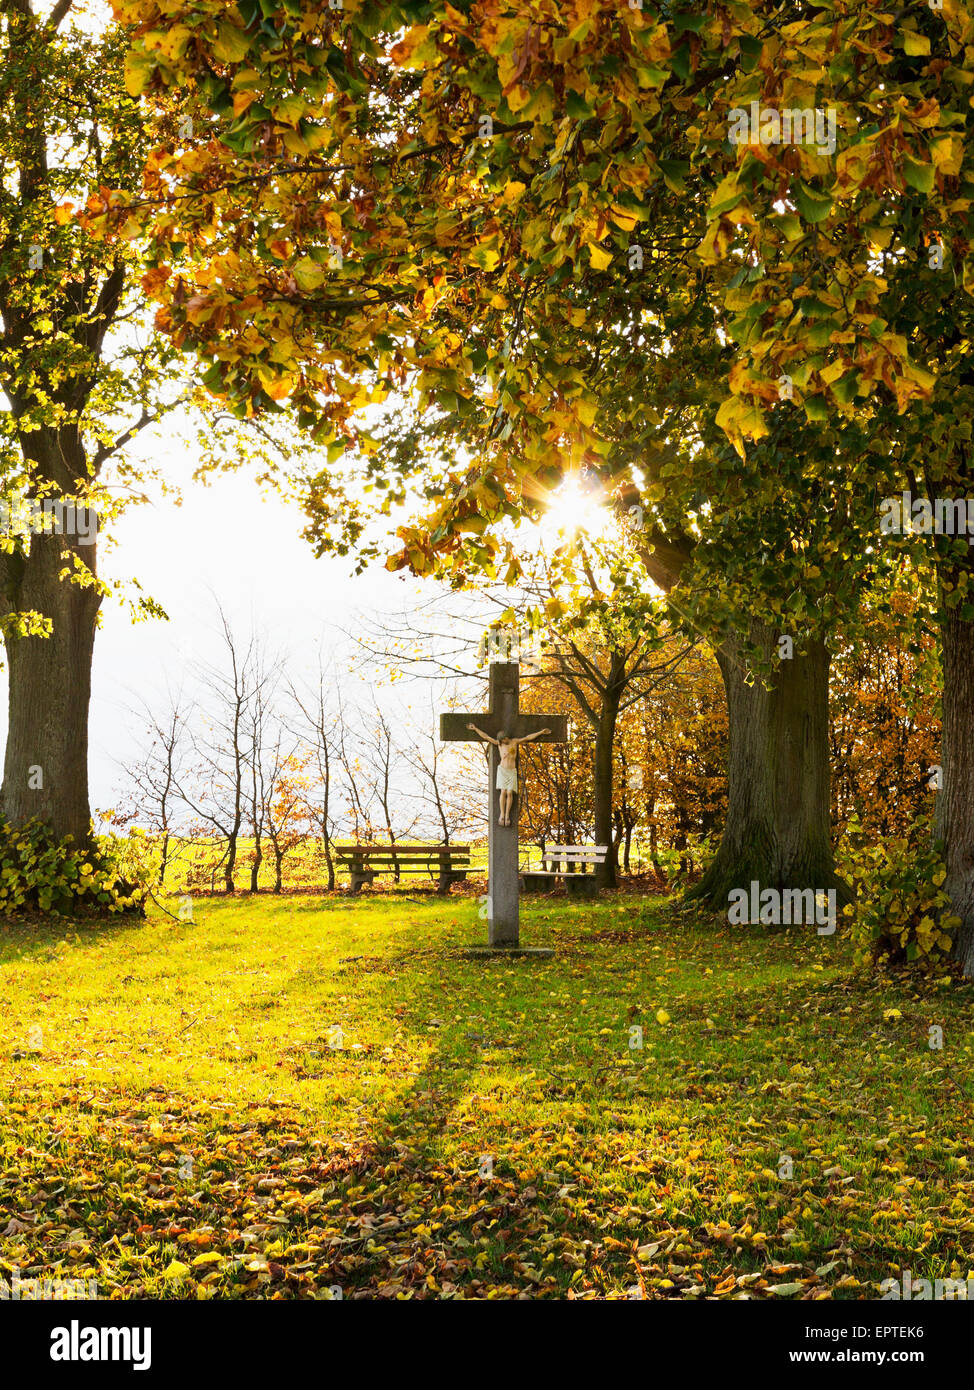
(503, 716)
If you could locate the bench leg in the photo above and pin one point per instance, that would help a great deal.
(581, 885)
(533, 883)
(359, 878)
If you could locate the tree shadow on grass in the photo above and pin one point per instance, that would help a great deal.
(456, 1214)
(29, 936)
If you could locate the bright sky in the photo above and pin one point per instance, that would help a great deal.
(225, 542)
(231, 542)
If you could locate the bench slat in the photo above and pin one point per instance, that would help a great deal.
(381, 868)
(399, 854)
(410, 863)
(403, 853)
(406, 850)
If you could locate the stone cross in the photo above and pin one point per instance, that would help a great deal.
(502, 858)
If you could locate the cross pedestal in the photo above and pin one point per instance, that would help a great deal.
(504, 716)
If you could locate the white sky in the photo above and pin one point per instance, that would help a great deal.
(247, 549)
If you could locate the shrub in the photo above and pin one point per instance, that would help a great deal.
(42, 873)
(900, 908)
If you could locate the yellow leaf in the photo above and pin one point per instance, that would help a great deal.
(232, 44)
(662, 1016)
(586, 411)
(308, 274)
(947, 154)
(714, 246)
(915, 45)
(139, 67)
(600, 258)
(175, 1270)
(739, 420)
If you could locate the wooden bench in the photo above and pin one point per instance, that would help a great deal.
(445, 863)
(580, 885)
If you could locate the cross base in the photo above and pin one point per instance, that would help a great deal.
(496, 952)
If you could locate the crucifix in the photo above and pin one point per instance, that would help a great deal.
(503, 717)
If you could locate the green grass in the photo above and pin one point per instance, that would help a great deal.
(180, 1127)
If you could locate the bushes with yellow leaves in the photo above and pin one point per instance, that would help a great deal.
(901, 912)
(39, 872)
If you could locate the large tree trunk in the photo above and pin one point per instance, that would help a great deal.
(777, 830)
(45, 772)
(954, 807)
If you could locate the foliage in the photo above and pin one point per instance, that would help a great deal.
(317, 119)
(69, 370)
(40, 872)
(884, 728)
(901, 909)
(135, 857)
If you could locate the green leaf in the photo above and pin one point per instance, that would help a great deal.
(917, 175)
(812, 205)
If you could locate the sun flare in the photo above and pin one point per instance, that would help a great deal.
(577, 506)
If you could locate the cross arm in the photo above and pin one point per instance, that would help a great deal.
(453, 727)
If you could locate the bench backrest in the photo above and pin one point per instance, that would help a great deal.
(574, 854)
(372, 854)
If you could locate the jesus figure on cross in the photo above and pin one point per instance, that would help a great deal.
(507, 768)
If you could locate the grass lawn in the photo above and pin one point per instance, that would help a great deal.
(175, 1122)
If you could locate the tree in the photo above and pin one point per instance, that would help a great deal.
(318, 728)
(673, 773)
(286, 790)
(152, 797)
(214, 789)
(519, 329)
(80, 381)
(583, 124)
(379, 759)
(445, 798)
(266, 758)
(886, 714)
(84, 372)
(601, 640)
